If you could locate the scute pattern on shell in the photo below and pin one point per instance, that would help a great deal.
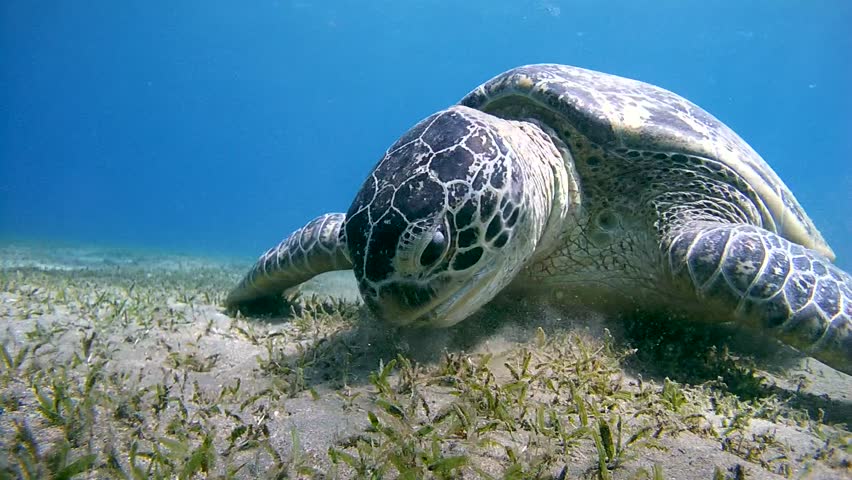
(619, 113)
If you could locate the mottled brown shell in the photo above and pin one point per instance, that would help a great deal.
(620, 113)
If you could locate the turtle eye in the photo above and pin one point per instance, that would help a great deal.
(436, 247)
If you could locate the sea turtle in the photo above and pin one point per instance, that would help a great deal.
(565, 180)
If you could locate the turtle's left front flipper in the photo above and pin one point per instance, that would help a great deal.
(797, 295)
(318, 247)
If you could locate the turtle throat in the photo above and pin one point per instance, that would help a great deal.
(552, 187)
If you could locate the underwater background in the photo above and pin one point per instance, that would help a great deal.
(219, 127)
(150, 150)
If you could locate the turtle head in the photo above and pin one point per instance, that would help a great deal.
(445, 219)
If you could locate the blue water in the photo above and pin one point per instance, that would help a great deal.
(219, 127)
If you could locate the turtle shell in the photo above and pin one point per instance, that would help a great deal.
(618, 113)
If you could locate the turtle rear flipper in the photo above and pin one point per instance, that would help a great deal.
(318, 247)
(795, 294)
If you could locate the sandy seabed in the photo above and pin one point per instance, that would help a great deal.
(122, 364)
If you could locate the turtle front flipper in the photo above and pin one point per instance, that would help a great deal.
(793, 293)
(319, 246)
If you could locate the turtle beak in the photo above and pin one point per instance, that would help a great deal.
(402, 303)
(409, 304)
(464, 301)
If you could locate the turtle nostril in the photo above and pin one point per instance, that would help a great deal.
(434, 249)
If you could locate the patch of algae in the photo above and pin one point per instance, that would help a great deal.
(135, 372)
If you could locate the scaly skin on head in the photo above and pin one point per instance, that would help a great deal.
(451, 214)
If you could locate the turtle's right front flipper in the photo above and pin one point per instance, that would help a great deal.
(319, 246)
(793, 293)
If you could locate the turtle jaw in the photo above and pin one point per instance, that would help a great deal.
(448, 305)
(463, 302)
